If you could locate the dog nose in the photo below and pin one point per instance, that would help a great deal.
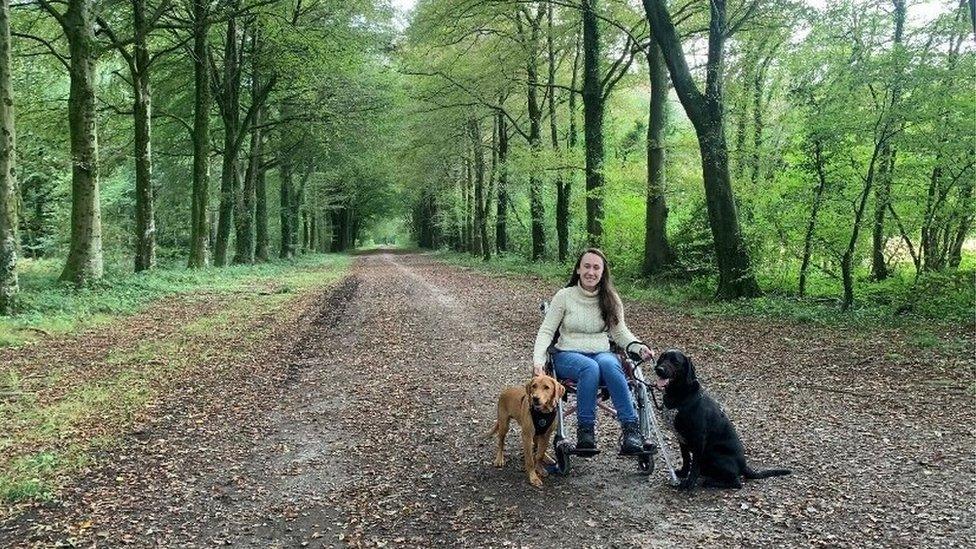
(535, 400)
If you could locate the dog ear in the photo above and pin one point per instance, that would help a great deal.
(690, 374)
(560, 390)
(528, 387)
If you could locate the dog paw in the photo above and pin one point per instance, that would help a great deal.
(535, 480)
(499, 462)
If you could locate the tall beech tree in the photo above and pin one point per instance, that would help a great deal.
(84, 263)
(135, 53)
(658, 256)
(200, 193)
(8, 184)
(707, 113)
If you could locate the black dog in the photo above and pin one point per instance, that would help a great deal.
(710, 447)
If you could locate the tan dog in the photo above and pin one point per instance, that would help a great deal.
(533, 407)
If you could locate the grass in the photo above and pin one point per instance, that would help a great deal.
(55, 421)
(936, 300)
(47, 306)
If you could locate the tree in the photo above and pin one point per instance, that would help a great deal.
(84, 261)
(658, 256)
(707, 113)
(8, 184)
(138, 61)
(199, 223)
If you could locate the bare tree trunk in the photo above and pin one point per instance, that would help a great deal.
(593, 123)
(247, 196)
(847, 261)
(199, 228)
(466, 185)
(229, 101)
(536, 206)
(8, 184)
(287, 249)
(246, 248)
(706, 112)
(142, 116)
(84, 263)
(261, 238)
(879, 266)
(501, 216)
(562, 185)
(480, 232)
(818, 162)
(657, 252)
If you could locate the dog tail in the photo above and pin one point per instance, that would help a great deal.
(751, 473)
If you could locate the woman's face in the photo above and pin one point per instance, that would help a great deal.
(590, 271)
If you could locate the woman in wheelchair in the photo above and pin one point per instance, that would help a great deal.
(580, 322)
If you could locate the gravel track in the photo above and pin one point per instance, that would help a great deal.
(374, 435)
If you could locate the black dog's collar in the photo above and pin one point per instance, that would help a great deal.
(684, 403)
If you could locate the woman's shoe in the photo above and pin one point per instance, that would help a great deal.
(585, 437)
(631, 441)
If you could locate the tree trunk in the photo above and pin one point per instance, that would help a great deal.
(593, 123)
(706, 112)
(886, 166)
(501, 215)
(847, 261)
(245, 248)
(8, 185)
(247, 195)
(536, 207)
(562, 186)
(657, 252)
(296, 201)
(261, 245)
(229, 101)
(84, 263)
(287, 250)
(757, 123)
(480, 233)
(199, 229)
(818, 162)
(142, 116)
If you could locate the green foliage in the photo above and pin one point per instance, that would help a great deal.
(941, 301)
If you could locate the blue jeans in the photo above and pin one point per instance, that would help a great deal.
(590, 370)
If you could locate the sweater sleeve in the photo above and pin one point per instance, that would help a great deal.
(619, 333)
(554, 317)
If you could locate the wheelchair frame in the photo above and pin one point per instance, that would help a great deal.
(564, 449)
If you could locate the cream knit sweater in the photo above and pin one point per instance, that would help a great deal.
(575, 312)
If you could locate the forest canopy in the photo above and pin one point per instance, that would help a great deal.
(791, 147)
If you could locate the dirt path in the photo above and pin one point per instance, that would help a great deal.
(373, 435)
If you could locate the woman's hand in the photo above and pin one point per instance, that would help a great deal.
(646, 353)
(538, 370)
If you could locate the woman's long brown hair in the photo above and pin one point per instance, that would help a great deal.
(606, 293)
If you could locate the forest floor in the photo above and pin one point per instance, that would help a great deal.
(359, 420)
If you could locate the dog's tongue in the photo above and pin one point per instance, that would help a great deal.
(662, 382)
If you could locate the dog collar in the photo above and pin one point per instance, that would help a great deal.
(542, 420)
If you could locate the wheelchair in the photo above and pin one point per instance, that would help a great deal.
(564, 449)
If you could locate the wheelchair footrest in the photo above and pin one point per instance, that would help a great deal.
(584, 452)
(649, 450)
